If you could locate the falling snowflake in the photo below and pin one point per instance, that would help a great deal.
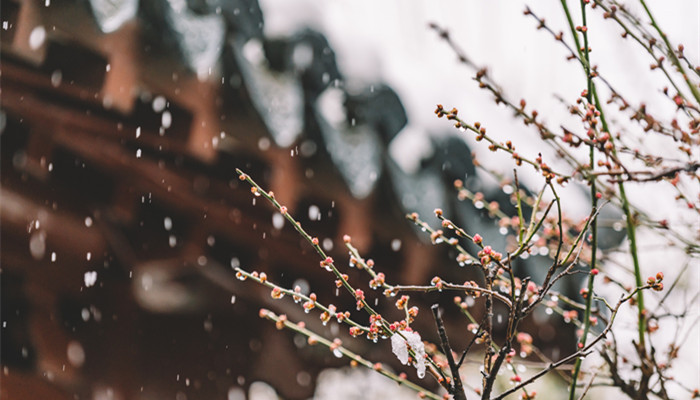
(90, 278)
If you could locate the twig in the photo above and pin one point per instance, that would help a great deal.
(456, 388)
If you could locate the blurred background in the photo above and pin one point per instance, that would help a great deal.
(123, 121)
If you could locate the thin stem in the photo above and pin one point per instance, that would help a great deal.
(282, 322)
(671, 53)
(441, 285)
(594, 205)
(456, 389)
(327, 261)
(521, 228)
